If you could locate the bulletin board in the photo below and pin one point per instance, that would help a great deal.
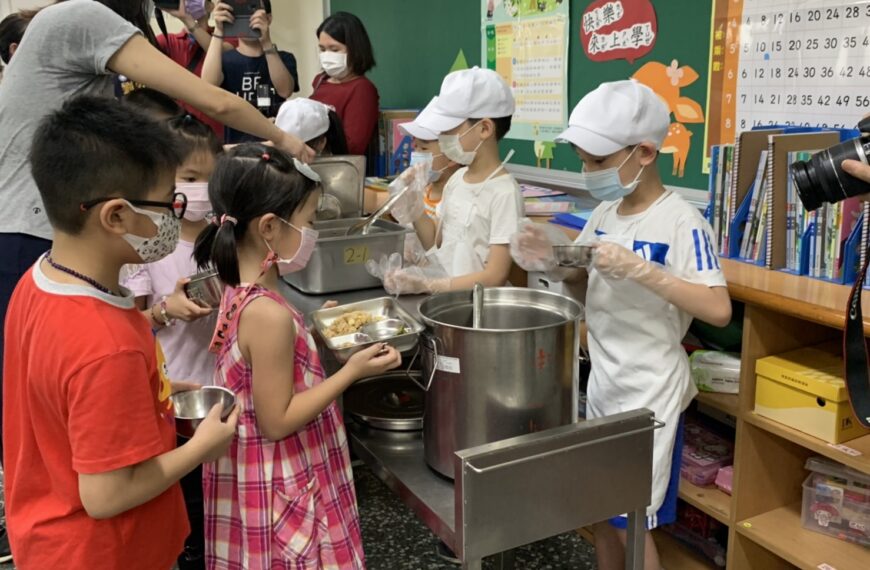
(417, 42)
(802, 63)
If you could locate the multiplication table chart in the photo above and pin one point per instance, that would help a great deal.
(788, 62)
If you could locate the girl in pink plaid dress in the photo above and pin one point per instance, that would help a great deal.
(283, 497)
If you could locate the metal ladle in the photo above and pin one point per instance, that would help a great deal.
(363, 227)
(477, 306)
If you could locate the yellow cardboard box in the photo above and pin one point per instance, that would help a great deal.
(804, 389)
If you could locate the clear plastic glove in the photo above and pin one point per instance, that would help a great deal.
(615, 262)
(413, 280)
(416, 281)
(532, 246)
(381, 267)
(415, 253)
(410, 207)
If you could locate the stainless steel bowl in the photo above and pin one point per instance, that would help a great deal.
(382, 330)
(205, 289)
(192, 407)
(573, 255)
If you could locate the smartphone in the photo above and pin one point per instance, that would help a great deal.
(241, 27)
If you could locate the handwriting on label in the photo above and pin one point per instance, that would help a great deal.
(846, 450)
(824, 566)
(448, 364)
(356, 255)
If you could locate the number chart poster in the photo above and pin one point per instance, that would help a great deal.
(799, 63)
(526, 42)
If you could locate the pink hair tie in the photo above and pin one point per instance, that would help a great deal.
(226, 218)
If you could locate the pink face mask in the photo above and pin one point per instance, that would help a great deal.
(302, 255)
(198, 205)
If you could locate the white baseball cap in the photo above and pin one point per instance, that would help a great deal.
(468, 94)
(417, 131)
(303, 118)
(617, 115)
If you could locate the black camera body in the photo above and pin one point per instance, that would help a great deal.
(821, 179)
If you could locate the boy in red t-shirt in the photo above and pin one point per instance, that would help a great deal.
(91, 465)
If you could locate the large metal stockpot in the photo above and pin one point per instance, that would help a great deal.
(516, 374)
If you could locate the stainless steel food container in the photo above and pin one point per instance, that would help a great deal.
(205, 289)
(344, 177)
(386, 307)
(191, 407)
(338, 262)
(516, 374)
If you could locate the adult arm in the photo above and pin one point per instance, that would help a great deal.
(142, 62)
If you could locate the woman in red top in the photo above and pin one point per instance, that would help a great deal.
(346, 56)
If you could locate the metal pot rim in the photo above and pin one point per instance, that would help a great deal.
(432, 323)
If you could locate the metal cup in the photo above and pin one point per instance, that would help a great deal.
(205, 289)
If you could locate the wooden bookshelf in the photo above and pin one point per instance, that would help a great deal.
(728, 403)
(709, 500)
(780, 531)
(783, 312)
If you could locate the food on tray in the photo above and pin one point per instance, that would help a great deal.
(349, 323)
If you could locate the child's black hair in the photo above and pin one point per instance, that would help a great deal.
(152, 103)
(346, 28)
(194, 136)
(12, 29)
(249, 181)
(502, 125)
(94, 147)
(336, 141)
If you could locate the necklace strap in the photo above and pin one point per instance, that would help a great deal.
(72, 272)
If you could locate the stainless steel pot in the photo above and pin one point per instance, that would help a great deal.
(515, 374)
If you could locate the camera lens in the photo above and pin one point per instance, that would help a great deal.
(821, 179)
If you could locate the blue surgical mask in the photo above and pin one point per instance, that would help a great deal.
(606, 185)
(428, 158)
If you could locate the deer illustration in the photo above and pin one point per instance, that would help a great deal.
(666, 81)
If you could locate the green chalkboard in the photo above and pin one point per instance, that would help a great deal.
(417, 41)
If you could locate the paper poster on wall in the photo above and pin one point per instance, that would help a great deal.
(803, 63)
(618, 29)
(526, 42)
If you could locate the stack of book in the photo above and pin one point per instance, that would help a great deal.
(757, 216)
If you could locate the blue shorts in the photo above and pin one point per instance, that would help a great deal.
(667, 513)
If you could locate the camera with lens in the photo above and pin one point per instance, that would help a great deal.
(821, 179)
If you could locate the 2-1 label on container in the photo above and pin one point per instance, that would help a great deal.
(356, 255)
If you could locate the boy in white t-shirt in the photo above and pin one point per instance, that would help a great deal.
(654, 269)
(481, 205)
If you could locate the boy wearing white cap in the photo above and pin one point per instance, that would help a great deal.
(654, 269)
(315, 123)
(481, 205)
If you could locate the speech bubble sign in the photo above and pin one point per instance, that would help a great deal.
(618, 29)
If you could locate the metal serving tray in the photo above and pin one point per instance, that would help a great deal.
(338, 262)
(386, 307)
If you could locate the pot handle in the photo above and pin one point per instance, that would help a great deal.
(414, 359)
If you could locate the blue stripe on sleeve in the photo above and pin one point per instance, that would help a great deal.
(698, 263)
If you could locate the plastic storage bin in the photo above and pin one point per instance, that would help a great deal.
(704, 453)
(836, 501)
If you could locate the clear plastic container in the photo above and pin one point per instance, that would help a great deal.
(704, 453)
(836, 501)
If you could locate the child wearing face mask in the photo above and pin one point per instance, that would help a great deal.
(654, 269)
(283, 497)
(481, 205)
(427, 150)
(315, 123)
(90, 459)
(183, 327)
